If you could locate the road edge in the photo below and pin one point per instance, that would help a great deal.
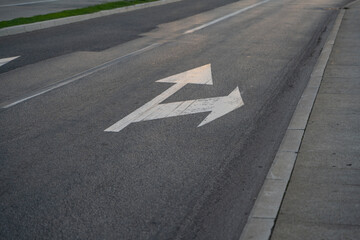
(267, 205)
(62, 21)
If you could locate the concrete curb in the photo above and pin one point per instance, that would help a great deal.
(264, 213)
(62, 21)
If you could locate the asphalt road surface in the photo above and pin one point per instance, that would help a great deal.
(69, 173)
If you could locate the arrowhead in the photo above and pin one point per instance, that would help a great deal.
(200, 75)
(224, 106)
(4, 61)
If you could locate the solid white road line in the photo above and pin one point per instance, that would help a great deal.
(77, 76)
(26, 3)
(225, 17)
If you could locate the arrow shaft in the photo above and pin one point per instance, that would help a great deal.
(145, 109)
(179, 108)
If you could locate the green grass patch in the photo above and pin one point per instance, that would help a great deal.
(70, 13)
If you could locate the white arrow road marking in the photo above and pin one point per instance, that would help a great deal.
(4, 61)
(218, 106)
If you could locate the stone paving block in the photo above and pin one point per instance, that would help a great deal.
(347, 60)
(109, 12)
(332, 133)
(310, 93)
(322, 61)
(346, 104)
(47, 24)
(291, 141)
(15, 30)
(3, 32)
(343, 71)
(315, 81)
(348, 86)
(343, 52)
(349, 32)
(330, 175)
(301, 114)
(282, 166)
(268, 203)
(346, 42)
(316, 231)
(323, 203)
(86, 17)
(345, 55)
(329, 159)
(258, 228)
(32, 27)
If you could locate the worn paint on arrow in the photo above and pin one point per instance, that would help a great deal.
(218, 106)
(4, 61)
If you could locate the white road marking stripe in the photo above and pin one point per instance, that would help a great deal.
(225, 17)
(78, 76)
(26, 3)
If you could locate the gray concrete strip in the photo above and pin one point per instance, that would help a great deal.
(282, 166)
(258, 228)
(264, 213)
(291, 141)
(269, 200)
(62, 21)
(302, 113)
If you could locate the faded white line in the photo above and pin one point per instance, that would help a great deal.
(26, 3)
(225, 17)
(77, 76)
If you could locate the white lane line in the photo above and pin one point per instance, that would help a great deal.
(77, 77)
(26, 3)
(225, 17)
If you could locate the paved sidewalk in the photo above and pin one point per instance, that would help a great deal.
(323, 197)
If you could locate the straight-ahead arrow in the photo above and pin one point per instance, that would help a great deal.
(218, 106)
